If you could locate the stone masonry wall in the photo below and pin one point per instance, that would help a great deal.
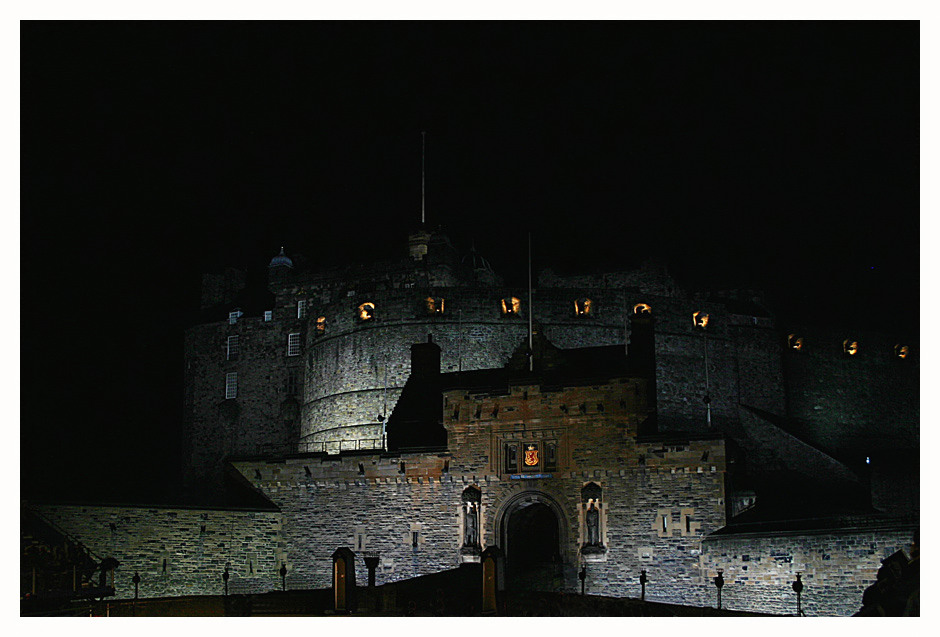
(836, 569)
(262, 417)
(659, 500)
(380, 509)
(853, 403)
(195, 545)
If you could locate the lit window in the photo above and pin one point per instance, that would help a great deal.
(268, 315)
(231, 385)
(795, 342)
(642, 308)
(850, 347)
(293, 344)
(511, 305)
(233, 316)
(321, 324)
(435, 306)
(582, 307)
(231, 348)
(302, 308)
(700, 319)
(367, 311)
(901, 351)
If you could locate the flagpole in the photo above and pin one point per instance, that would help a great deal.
(531, 351)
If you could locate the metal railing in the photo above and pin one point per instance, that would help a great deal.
(337, 446)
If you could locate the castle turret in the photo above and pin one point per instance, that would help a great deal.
(279, 268)
(418, 244)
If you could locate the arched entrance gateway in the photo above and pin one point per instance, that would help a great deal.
(533, 536)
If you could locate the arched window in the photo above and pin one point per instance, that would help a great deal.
(367, 311)
(583, 307)
(795, 342)
(642, 309)
(700, 319)
(434, 305)
(850, 347)
(901, 351)
(511, 305)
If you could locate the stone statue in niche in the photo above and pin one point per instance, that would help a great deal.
(593, 521)
(472, 525)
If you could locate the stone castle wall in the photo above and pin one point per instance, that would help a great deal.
(836, 568)
(853, 403)
(179, 551)
(379, 509)
(351, 374)
(263, 416)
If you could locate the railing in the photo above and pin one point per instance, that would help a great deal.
(337, 446)
(57, 565)
(74, 540)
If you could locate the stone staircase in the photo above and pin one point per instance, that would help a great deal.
(55, 567)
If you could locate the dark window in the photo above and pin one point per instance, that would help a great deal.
(291, 386)
(551, 456)
(512, 458)
(414, 539)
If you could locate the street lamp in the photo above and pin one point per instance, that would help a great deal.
(719, 582)
(798, 589)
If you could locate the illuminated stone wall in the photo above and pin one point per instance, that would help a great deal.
(263, 417)
(836, 568)
(352, 373)
(196, 545)
(379, 510)
(375, 502)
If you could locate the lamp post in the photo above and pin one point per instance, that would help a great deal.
(136, 580)
(798, 589)
(719, 582)
(643, 581)
(225, 579)
(582, 575)
(283, 573)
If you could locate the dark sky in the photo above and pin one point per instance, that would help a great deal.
(781, 156)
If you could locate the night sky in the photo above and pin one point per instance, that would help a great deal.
(781, 156)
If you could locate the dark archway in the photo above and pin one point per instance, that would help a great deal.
(534, 560)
